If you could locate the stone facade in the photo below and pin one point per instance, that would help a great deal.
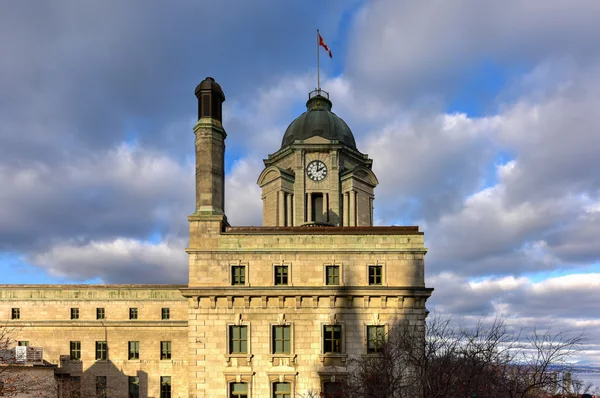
(317, 269)
(282, 307)
(45, 320)
(306, 303)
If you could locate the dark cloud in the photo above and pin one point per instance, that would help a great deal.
(406, 50)
(97, 107)
(83, 76)
(123, 192)
(96, 142)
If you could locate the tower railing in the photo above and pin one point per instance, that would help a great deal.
(318, 93)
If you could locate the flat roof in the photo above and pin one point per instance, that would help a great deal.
(91, 285)
(325, 230)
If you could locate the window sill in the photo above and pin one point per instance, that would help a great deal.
(332, 355)
(247, 357)
(290, 357)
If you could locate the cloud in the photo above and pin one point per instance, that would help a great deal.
(243, 205)
(408, 49)
(541, 198)
(256, 123)
(96, 142)
(74, 83)
(126, 191)
(570, 298)
(119, 260)
(413, 157)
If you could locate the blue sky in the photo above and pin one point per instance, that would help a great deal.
(480, 116)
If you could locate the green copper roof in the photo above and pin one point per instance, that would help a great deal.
(318, 120)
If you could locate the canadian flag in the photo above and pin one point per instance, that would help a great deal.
(322, 43)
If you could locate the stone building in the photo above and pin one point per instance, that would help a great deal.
(271, 311)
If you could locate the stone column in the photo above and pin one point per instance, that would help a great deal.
(308, 207)
(346, 209)
(352, 208)
(326, 205)
(288, 202)
(281, 208)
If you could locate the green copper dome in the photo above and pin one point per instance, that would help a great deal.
(318, 120)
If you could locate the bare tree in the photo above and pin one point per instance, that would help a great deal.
(17, 380)
(450, 361)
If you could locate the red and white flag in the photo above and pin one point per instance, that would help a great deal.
(322, 43)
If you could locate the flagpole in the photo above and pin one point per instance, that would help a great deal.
(318, 66)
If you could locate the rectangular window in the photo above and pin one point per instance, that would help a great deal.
(375, 274)
(281, 339)
(238, 339)
(101, 350)
(375, 339)
(166, 313)
(74, 313)
(100, 313)
(165, 386)
(332, 339)
(134, 350)
(332, 274)
(23, 343)
(75, 350)
(238, 275)
(238, 390)
(133, 313)
(134, 387)
(165, 350)
(282, 390)
(101, 386)
(281, 274)
(15, 313)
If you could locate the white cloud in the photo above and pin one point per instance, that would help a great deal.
(119, 260)
(570, 298)
(499, 196)
(430, 161)
(243, 204)
(127, 190)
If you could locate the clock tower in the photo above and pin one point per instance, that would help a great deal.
(318, 176)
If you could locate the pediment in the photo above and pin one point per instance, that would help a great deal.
(316, 139)
(272, 173)
(362, 173)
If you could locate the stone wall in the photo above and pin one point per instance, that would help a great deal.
(306, 367)
(45, 321)
(307, 303)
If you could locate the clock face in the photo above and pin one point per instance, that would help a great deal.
(316, 170)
